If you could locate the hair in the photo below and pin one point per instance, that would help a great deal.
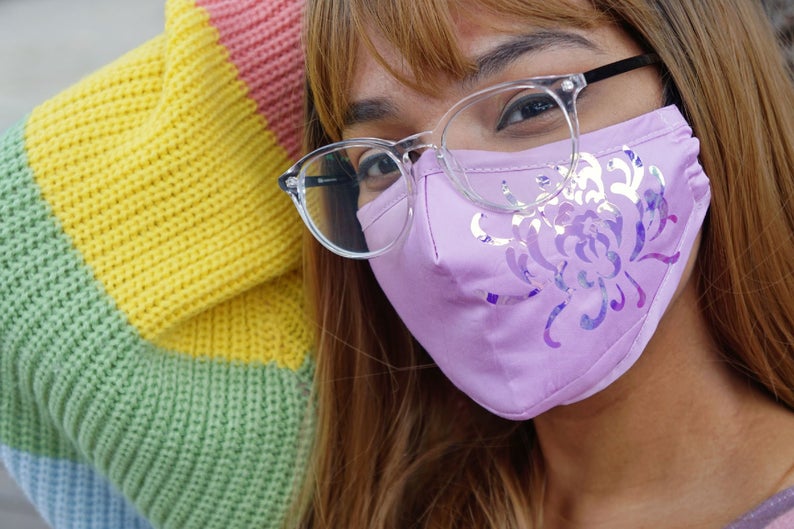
(397, 445)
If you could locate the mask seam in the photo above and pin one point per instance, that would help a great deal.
(637, 141)
(427, 216)
(669, 128)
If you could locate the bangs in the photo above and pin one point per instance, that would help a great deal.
(422, 31)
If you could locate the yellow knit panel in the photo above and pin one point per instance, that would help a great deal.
(246, 320)
(163, 174)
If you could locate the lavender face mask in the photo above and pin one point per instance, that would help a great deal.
(524, 312)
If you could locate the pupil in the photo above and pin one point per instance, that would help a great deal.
(534, 108)
(386, 165)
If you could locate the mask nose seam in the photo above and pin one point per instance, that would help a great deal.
(427, 220)
(420, 179)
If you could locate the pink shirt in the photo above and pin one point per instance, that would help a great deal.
(775, 513)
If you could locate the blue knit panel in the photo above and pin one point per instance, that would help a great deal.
(70, 495)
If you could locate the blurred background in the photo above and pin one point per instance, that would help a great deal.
(781, 12)
(48, 45)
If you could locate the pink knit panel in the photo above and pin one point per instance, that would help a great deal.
(263, 40)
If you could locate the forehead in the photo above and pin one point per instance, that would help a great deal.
(497, 48)
(469, 28)
(484, 48)
(420, 42)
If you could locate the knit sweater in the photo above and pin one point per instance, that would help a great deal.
(154, 366)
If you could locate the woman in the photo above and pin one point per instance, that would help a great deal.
(596, 349)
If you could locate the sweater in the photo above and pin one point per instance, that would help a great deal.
(154, 352)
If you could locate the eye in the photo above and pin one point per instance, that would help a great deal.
(527, 110)
(377, 171)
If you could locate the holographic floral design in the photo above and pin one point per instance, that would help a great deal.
(593, 236)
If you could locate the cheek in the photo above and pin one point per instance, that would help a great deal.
(642, 92)
(620, 99)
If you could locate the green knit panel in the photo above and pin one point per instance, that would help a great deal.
(192, 443)
(29, 316)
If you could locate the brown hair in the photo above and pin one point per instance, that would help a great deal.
(397, 445)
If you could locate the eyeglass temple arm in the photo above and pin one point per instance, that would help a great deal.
(619, 67)
(289, 181)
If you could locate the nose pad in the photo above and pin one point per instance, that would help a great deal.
(410, 157)
(420, 162)
(410, 149)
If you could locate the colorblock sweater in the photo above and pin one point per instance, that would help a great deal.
(154, 367)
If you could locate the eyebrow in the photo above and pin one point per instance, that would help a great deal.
(488, 64)
(516, 47)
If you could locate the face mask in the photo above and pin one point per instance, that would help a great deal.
(524, 312)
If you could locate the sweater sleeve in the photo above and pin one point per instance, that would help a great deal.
(154, 364)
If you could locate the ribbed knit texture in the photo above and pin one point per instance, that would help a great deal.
(153, 346)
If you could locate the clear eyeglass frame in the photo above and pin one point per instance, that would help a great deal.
(563, 89)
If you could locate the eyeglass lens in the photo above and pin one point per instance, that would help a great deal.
(338, 184)
(511, 149)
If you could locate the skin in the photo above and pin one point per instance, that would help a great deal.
(681, 440)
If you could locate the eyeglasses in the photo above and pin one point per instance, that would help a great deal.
(509, 147)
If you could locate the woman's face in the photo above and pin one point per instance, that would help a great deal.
(570, 288)
(381, 106)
